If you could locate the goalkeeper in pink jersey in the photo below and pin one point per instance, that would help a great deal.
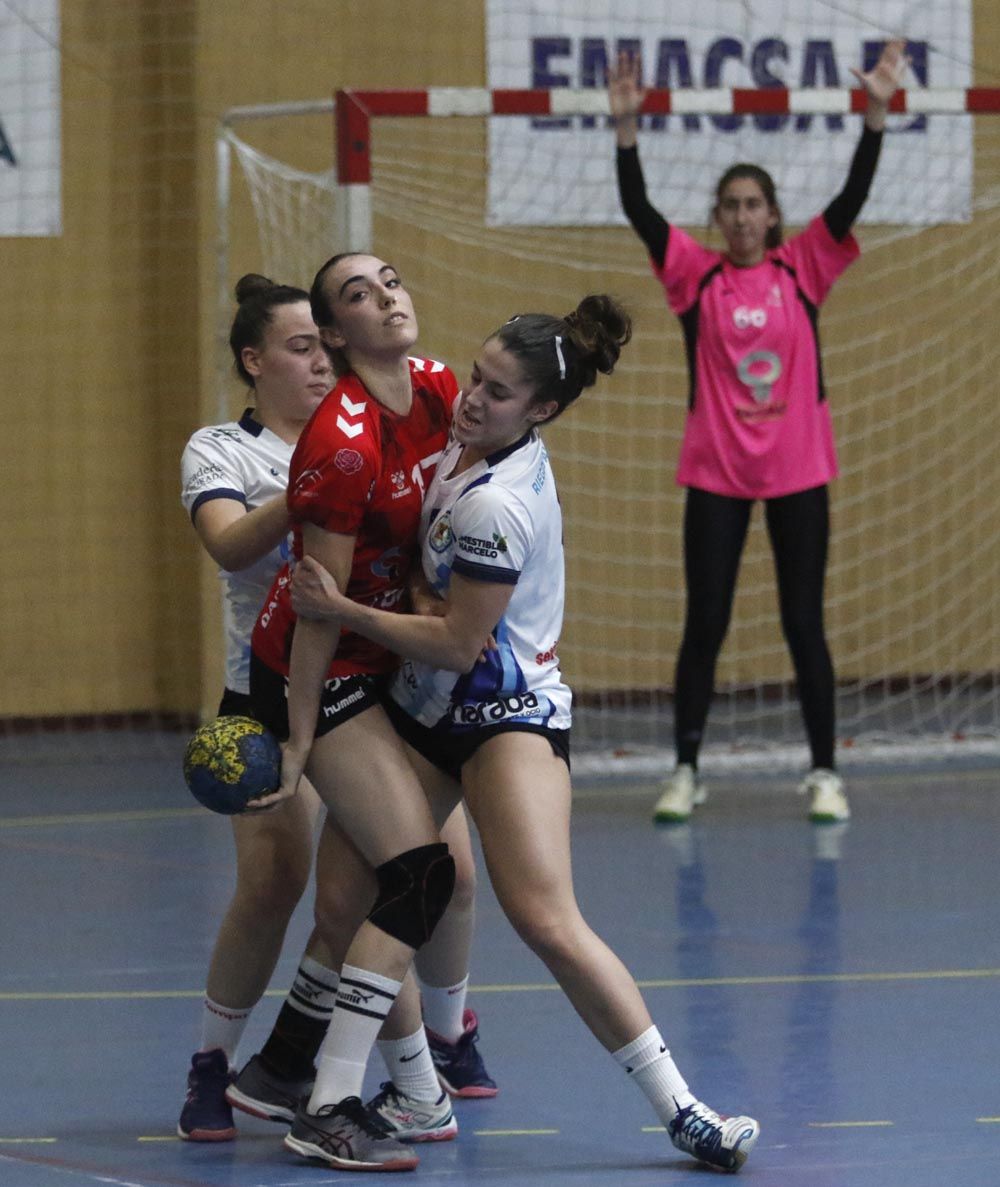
(758, 424)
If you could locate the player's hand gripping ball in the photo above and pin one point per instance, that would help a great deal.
(230, 761)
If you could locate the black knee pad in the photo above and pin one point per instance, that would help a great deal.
(413, 891)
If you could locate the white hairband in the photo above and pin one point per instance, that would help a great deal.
(562, 361)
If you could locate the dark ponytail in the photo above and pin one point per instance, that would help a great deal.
(561, 356)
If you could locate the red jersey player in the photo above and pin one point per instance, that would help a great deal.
(361, 469)
(355, 493)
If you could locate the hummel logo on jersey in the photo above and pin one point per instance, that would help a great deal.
(305, 481)
(348, 428)
(422, 365)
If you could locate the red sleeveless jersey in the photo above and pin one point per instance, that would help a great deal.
(361, 469)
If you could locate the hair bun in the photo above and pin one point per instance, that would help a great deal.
(599, 328)
(252, 285)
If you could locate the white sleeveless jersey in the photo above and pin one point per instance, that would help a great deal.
(243, 461)
(499, 521)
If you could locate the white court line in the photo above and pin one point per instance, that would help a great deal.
(80, 1172)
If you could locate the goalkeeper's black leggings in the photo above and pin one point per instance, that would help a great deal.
(715, 529)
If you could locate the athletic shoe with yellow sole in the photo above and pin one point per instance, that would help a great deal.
(828, 803)
(682, 792)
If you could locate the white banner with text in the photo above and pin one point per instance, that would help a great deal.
(560, 171)
(30, 148)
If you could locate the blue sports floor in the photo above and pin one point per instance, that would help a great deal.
(841, 984)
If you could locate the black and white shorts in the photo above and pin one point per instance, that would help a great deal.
(343, 697)
(449, 750)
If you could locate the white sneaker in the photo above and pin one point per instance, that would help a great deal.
(722, 1142)
(682, 792)
(829, 803)
(409, 1120)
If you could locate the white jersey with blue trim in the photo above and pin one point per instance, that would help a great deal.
(244, 461)
(500, 522)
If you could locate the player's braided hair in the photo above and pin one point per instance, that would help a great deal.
(562, 356)
(257, 298)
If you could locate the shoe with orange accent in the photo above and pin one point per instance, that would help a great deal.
(348, 1136)
(206, 1115)
(460, 1067)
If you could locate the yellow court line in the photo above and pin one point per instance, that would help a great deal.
(100, 817)
(167, 1137)
(768, 979)
(114, 995)
(513, 1133)
(988, 1120)
(850, 1124)
(27, 1141)
(546, 987)
(654, 1129)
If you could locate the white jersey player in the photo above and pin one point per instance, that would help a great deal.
(498, 521)
(246, 462)
(499, 734)
(233, 479)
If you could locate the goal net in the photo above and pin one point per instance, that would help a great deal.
(910, 355)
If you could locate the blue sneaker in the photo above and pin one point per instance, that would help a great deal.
(206, 1115)
(460, 1068)
(722, 1142)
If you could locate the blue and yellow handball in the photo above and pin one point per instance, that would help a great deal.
(230, 761)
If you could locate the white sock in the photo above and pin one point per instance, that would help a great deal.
(363, 1001)
(648, 1063)
(410, 1067)
(314, 990)
(443, 1007)
(222, 1028)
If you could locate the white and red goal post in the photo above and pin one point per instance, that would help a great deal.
(355, 110)
(913, 587)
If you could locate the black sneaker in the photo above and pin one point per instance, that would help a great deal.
(206, 1115)
(349, 1137)
(459, 1066)
(261, 1093)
